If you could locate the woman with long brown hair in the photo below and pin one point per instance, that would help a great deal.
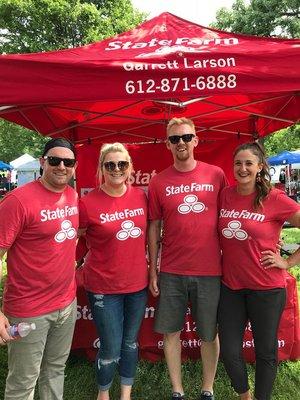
(253, 277)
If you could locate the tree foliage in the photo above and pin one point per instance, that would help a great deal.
(41, 25)
(266, 18)
(261, 18)
(285, 139)
(16, 140)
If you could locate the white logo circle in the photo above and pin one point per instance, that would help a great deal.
(184, 208)
(198, 207)
(60, 236)
(71, 233)
(228, 233)
(135, 232)
(127, 225)
(241, 234)
(190, 199)
(234, 224)
(122, 235)
(65, 225)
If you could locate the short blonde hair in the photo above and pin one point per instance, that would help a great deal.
(112, 148)
(180, 121)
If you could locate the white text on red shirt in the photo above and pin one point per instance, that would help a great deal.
(197, 187)
(105, 217)
(48, 215)
(241, 214)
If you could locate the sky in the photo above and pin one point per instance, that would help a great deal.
(200, 11)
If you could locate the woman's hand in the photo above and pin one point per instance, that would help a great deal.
(270, 259)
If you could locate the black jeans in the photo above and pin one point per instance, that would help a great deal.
(263, 308)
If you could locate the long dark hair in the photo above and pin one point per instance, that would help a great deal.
(263, 178)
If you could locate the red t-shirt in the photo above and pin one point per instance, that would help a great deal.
(116, 239)
(245, 233)
(39, 229)
(187, 202)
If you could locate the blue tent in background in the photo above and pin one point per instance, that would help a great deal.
(284, 158)
(4, 166)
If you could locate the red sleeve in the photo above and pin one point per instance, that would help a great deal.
(155, 212)
(12, 220)
(83, 215)
(224, 183)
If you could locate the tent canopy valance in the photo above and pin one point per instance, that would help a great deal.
(125, 88)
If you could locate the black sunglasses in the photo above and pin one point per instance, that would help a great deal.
(55, 161)
(175, 139)
(111, 166)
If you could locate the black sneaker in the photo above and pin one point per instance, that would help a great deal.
(206, 395)
(177, 396)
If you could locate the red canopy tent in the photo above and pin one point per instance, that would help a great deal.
(234, 87)
(125, 88)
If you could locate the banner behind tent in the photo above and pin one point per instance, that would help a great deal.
(148, 160)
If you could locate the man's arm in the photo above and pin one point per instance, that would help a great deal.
(153, 248)
(4, 324)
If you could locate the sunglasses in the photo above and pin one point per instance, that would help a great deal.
(175, 139)
(55, 161)
(111, 166)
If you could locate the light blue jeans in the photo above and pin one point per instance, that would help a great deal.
(118, 318)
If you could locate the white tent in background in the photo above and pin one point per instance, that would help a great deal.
(25, 158)
(28, 172)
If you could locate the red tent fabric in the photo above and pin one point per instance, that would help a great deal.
(125, 88)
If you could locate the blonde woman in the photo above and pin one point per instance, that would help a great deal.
(114, 218)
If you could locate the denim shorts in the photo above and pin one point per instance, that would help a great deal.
(176, 291)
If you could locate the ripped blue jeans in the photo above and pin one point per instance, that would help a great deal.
(118, 318)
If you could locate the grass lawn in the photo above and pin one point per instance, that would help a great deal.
(152, 382)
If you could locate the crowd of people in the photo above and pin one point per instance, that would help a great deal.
(218, 247)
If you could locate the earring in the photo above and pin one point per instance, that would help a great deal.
(258, 177)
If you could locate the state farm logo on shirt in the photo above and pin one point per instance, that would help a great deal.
(193, 187)
(119, 215)
(67, 232)
(191, 204)
(234, 230)
(49, 215)
(128, 231)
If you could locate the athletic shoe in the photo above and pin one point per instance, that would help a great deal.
(177, 396)
(206, 395)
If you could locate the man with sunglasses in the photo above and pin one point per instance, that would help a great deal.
(184, 197)
(38, 225)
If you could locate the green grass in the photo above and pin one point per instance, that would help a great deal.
(291, 235)
(152, 381)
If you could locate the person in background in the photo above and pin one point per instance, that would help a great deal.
(184, 197)
(114, 219)
(38, 230)
(253, 282)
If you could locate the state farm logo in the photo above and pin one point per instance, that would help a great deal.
(128, 230)
(67, 232)
(191, 204)
(234, 231)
